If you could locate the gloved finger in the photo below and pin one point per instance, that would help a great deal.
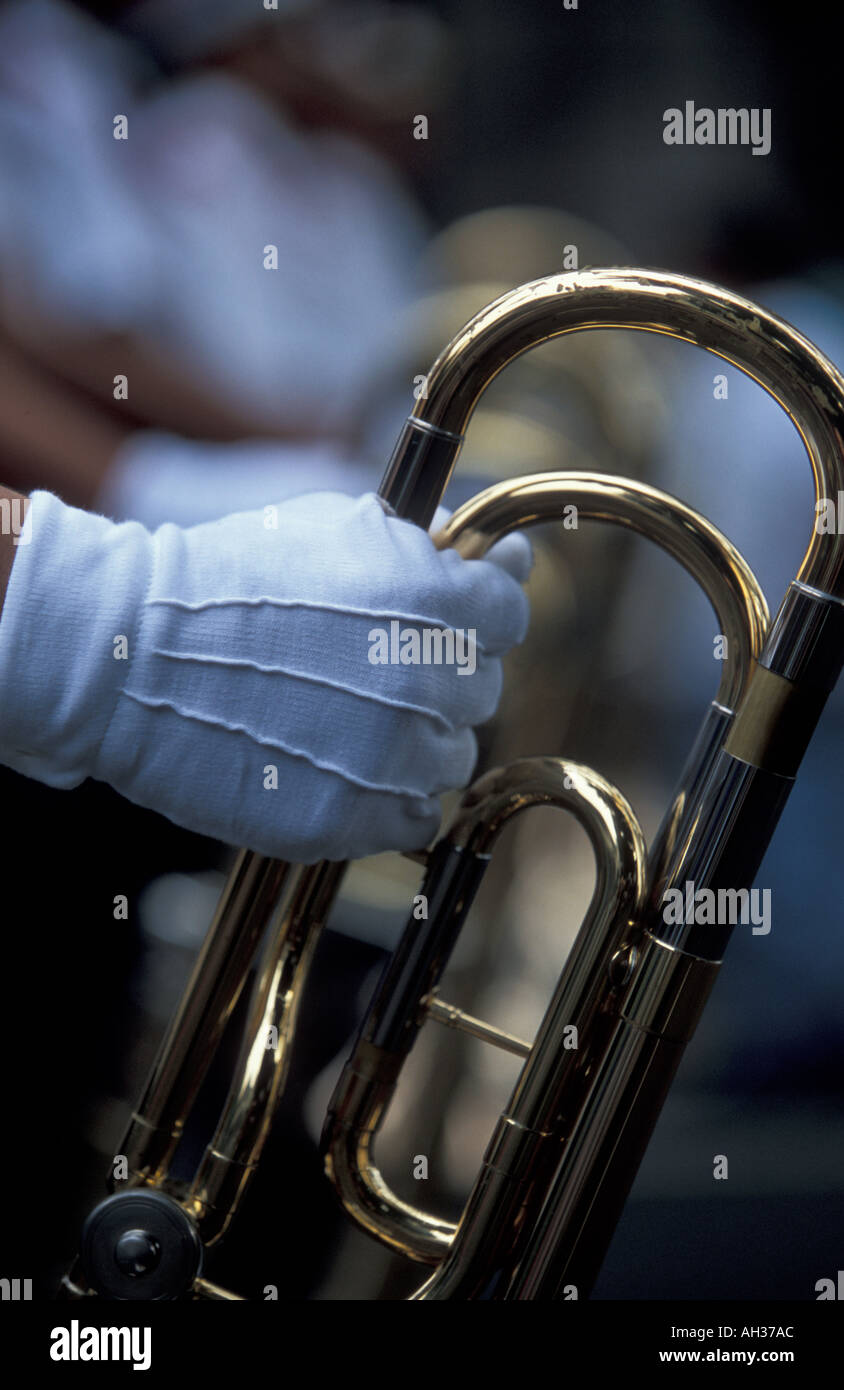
(513, 553)
(488, 601)
(410, 824)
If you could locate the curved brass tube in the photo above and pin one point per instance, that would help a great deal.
(231, 1157)
(399, 1008)
(788, 366)
(717, 828)
(741, 769)
(369, 1078)
(715, 833)
(709, 557)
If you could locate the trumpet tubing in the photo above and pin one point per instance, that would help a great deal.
(549, 1113)
(564, 1153)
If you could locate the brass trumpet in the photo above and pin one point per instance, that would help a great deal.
(564, 1153)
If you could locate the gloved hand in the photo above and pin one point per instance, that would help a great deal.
(225, 674)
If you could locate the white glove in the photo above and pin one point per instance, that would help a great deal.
(223, 675)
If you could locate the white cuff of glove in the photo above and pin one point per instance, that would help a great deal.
(74, 590)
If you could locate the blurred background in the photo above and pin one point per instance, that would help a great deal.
(151, 367)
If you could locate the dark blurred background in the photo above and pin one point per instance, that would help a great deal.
(544, 134)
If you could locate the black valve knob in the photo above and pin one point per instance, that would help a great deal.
(140, 1245)
(137, 1253)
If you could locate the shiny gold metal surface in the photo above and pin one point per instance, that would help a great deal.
(565, 1150)
(552, 1070)
(701, 549)
(552, 1089)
